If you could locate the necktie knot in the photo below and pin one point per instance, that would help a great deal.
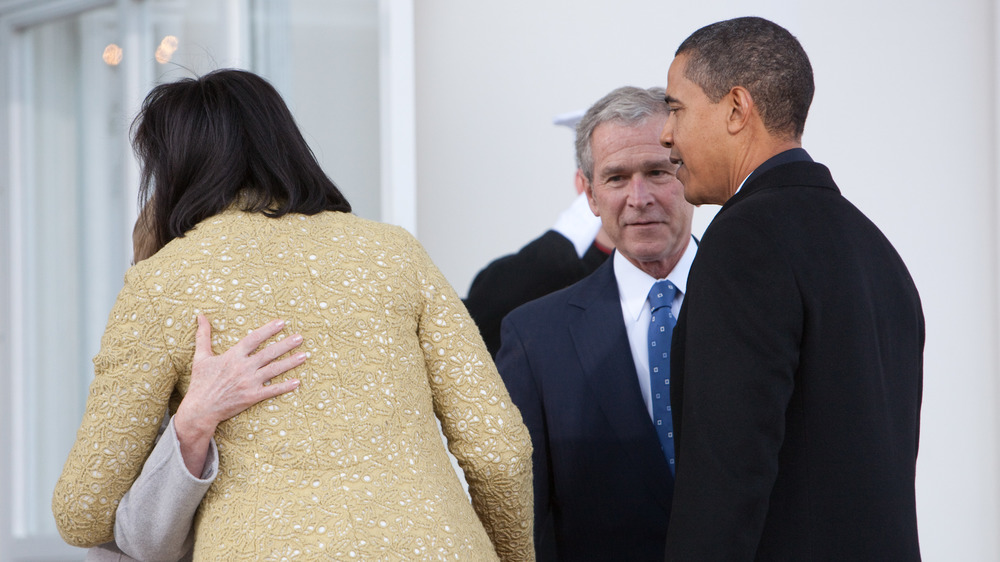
(662, 294)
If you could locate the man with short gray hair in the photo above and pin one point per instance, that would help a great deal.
(588, 366)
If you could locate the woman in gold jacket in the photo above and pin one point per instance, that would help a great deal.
(350, 465)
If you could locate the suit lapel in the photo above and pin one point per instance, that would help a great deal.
(606, 358)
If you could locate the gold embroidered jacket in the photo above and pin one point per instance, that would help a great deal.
(351, 464)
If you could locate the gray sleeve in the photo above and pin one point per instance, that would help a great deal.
(107, 552)
(154, 519)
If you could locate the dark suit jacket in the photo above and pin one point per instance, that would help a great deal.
(796, 373)
(599, 472)
(547, 264)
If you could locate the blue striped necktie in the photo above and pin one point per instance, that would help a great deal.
(661, 327)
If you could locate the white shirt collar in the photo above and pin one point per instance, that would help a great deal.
(634, 284)
(742, 182)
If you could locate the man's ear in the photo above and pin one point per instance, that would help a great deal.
(741, 107)
(580, 182)
(582, 185)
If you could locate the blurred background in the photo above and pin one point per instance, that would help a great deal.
(437, 115)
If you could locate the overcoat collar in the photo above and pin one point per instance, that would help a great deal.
(798, 173)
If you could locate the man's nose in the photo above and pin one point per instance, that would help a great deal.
(639, 194)
(667, 135)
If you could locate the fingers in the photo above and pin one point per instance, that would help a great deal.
(203, 339)
(272, 390)
(237, 361)
(275, 368)
(277, 349)
(253, 340)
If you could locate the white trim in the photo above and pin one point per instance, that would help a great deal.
(398, 113)
(995, 461)
(6, 327)
(20, 151)
(10, 337)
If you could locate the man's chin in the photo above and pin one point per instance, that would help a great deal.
(656, 261)
(693, 196)
(699, 194)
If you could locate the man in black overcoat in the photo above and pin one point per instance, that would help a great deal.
(797, 356)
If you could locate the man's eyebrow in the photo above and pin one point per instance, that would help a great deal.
(649, 164)
(670, 99)
(613, 170)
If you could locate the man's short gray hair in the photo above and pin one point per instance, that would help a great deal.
(627, 105)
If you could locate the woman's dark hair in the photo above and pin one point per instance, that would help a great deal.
(222, 139)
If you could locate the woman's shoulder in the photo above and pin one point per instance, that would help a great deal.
(238, 233)
(361, 225)
(351, 229)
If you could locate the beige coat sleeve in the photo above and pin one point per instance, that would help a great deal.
(483, 427)
(133, 381)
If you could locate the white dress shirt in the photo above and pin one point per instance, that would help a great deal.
(633, 291)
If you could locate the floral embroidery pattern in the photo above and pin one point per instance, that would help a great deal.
(350, 466)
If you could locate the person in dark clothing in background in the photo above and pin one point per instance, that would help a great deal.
(572, 249)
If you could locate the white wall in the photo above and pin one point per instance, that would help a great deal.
(904, 116)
